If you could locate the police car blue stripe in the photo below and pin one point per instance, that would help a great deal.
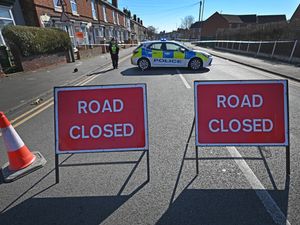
(146, 53)
(189, 54)
(168, 54)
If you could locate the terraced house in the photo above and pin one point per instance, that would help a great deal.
(88, 22)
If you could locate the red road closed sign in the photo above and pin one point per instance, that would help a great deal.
(101, 118)
(251, 112)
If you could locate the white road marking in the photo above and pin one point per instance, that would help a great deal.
(268, 202)
(78, 64)
(183, 79)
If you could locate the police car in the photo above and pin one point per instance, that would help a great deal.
(169, 54)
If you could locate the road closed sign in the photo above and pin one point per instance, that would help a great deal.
(101, 118)
(253, 112)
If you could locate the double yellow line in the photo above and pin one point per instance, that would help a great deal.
(49, 102)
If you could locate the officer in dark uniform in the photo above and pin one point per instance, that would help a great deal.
(114, 52)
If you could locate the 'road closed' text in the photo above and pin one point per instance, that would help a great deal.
(235, 125)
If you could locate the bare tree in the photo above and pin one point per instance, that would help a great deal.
(186, 22)
(152, 31)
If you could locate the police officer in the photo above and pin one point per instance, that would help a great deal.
(114, 52)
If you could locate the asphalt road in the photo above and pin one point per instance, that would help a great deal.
(112, 188)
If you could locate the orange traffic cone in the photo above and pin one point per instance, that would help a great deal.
(21, 160)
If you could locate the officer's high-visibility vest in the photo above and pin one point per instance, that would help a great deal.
(114, 49)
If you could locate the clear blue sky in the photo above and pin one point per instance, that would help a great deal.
(167, 14)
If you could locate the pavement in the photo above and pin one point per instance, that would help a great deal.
(285, 70)
(44, 79)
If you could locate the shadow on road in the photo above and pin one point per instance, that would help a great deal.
(68, 210)
(224, 206)
(219, 206)
(99, 72)
(135, 71)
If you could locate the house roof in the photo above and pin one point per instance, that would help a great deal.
(296, 14)
(232, 18)
(196, 25)
(271, 18)
(251, 18)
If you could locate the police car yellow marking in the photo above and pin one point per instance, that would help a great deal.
(179, 55)
(204, 59)
(157, 54)
(138, 54)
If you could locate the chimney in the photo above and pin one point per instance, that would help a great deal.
(142, 22)
(134, 17)
(138, 20)
(114, 3)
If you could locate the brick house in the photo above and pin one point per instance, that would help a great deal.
(86, 21)
(138, 31)
(296, 16)
(207, 29)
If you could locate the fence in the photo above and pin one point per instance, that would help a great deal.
(288, 51)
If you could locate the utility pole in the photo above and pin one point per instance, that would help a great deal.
(200, 10)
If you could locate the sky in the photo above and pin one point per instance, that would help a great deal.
(168, 14)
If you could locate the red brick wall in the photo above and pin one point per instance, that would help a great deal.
(211, 25)
(109, 16)
(84, 10)
(36, 62)
(33, 9)
(45, 3)
(85, 52)
(121, 19)
(100, 12)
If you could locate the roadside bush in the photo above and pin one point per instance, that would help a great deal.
(35, 40)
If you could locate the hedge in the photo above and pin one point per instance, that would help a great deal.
(35, 40)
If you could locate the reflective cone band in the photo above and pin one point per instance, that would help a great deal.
(19, 156)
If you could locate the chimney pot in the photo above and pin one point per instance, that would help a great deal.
(115, 3)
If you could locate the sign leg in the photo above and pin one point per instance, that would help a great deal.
(288, 165)
(197, 161)
(148, 166)
(56, 169)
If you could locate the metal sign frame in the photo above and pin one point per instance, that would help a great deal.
(95, 87)
(286, 143)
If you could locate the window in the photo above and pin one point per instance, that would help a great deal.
(57, 5)
(104, 13)
(172, 47)
(74, 7)
(155, 46)
(99, 32)
(118, 21)
(6, 18)
(94, 11)
(110, 32)
(114, 18)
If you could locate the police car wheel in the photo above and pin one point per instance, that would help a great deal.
(144, 64)
(195, 64)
